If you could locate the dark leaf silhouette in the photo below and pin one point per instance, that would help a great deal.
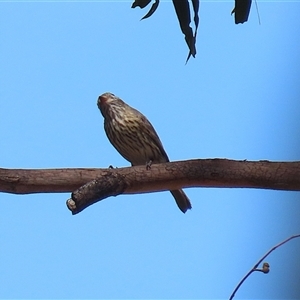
(241, 11)
(140, 3)
(144, 3)
(196, 16)
(152, 10)
(182, 9)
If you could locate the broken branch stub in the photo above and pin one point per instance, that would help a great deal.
(110, 184)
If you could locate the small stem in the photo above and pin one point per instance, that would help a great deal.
(265, 268)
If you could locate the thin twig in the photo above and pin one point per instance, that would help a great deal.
(256, 5)
(265, 269)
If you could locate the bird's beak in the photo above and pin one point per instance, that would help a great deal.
(103, 98)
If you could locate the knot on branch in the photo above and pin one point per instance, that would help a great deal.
(110, 184)
(265, 268)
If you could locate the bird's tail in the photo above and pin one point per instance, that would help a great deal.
(182, 200)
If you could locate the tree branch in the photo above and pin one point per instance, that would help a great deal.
(265, 269)
(191, 173)
(161, 177)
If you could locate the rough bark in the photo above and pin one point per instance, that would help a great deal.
(92, 185)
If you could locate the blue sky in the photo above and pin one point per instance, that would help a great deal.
(238, 99)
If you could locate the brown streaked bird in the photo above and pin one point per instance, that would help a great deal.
(135, 139)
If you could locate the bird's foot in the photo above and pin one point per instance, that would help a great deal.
(148, 165)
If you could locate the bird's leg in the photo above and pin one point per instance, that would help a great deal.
(148, 164)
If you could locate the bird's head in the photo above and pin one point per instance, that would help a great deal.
(109, 104)
(105, 99)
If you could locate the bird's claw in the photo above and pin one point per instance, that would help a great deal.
(148, 165)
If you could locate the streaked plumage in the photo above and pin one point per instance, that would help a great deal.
(134, 137)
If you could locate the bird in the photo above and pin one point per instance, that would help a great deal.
(134, 137)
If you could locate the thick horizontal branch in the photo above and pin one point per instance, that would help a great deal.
(167, 176)
(92, 185)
